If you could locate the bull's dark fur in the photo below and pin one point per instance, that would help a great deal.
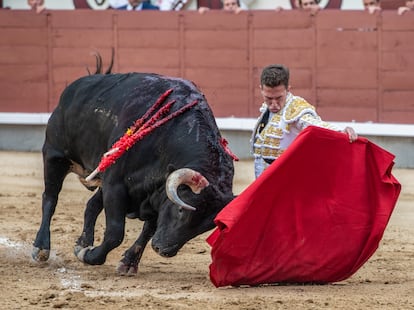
(93, 113)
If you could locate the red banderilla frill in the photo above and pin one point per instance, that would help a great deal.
(139, 130)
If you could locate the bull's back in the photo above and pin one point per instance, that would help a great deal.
(94, 111)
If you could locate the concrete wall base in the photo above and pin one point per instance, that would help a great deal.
(31, 137)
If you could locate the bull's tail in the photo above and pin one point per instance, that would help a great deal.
(99, 69)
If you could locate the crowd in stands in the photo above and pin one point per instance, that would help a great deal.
(236, 6)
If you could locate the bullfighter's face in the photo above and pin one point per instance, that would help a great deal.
(274, 97)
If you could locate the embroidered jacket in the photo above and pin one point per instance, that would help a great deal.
(271, 139)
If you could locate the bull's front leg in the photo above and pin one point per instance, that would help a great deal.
(114, 201)
(129, 263)
(93, 208)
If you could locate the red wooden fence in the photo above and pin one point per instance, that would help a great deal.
(351, 65)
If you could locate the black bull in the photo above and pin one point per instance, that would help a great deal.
(93, 113)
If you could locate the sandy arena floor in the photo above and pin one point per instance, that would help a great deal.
(386, 281)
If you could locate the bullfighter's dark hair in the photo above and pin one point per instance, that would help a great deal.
(275, 75)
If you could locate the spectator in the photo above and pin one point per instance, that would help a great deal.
(306, 5)
(37, 6)
(309, 5)
(409, 6)
(283, 117)
(372, 6)
(228, 5)
(138, 5)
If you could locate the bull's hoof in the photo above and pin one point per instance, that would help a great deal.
(126, 270)
(40, 255)
(81, 251)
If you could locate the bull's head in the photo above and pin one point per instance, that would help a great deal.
(175, 226)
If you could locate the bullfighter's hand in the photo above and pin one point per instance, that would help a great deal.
(351, 134)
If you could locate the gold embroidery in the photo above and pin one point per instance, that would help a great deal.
(268, 152)
(294, 110)
(267, 143)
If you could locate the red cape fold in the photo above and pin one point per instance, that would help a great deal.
(317, 214)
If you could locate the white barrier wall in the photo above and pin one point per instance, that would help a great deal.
(25, 132)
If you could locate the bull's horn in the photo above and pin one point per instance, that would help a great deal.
(195, 180)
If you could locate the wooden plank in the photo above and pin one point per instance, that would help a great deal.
(215, 20)
(301, 78)
(398, 101)
(346, 114)
(228, 39)
(84, 19)
(148, 57)
(403, 61)
(218, 78)
(23, 97)
(72, 38)
(23, 55)
(397, 41)
(22, 106)
(340, 59)
(173, 72)
(396, 117)
(225, 58)
(352, 98)
(392, 4)
(68, 74)
(147, 20)
(395, 22)
(344, 20)
(23, 90)
(291, 38)
(299, 58)
(286, 19)
(80, 56)
(23, 73)
(347, 40)
(397, 80)
(227, 102)
(23, 36)
(163, 38)
(346, 79)
(22, 19)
